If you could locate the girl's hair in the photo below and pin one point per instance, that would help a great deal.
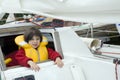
(28, 35)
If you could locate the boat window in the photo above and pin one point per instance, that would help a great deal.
(9, 47)
(50, 40)
(7, 44)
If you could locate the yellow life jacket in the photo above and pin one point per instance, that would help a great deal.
(39, 55)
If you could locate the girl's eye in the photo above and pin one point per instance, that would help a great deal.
(37, 39)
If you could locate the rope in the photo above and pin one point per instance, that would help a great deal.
(116, 73)
(108, 52)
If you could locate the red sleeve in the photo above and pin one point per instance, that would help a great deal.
(53, 54)
(21, 57)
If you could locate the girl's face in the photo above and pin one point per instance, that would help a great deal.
(34, 42)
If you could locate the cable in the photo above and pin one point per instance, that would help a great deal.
(116, 69)
(107, 52)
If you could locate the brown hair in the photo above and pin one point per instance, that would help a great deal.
(28, 35)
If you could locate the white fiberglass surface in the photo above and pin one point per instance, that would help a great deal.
(72, 44)
(48, 71)
(97, 68)
(75, 68)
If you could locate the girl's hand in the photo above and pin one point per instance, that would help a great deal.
(33, 66)
(59, 62)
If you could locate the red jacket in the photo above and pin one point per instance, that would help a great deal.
(22, 59)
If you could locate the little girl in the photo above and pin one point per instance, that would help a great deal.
(32, 50)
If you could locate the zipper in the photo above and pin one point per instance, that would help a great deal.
(38, 55)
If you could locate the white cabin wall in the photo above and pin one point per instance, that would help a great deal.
(71, 44)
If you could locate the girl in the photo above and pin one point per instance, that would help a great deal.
(33, 50)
